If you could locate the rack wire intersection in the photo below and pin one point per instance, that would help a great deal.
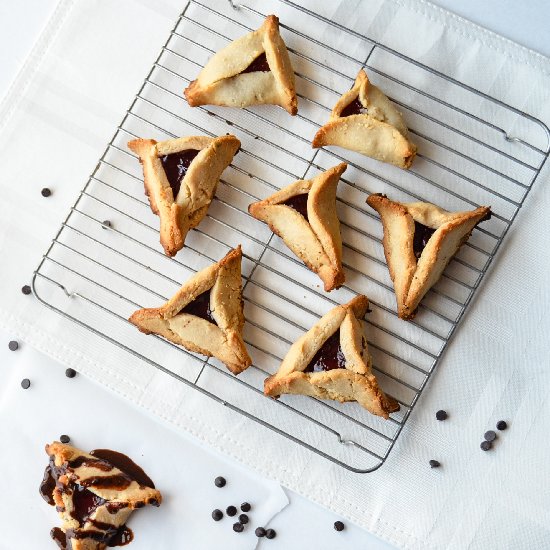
(473, 149)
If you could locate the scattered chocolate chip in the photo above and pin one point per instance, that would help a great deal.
(220, 481)
(46, 192)
(245, 507)
(25, 383)
(250, 175)
(486, 445)
(217, 515)
(26, 290)
(270, 534)
(441, 415)
(64, 439)
(238, 527)
(434, 464)
(501, 425)
(256, 137)
(13, 345)
(339, 526)
(70, 373)
(106, 223)
(231, 511)
(260, 532)
(243, 518)
(490, 435)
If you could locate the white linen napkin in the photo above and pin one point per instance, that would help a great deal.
(55, 124)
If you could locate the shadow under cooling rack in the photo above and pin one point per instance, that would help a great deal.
(473, 150)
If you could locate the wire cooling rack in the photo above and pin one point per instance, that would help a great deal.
(473, 149)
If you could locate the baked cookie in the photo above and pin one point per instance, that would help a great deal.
(365, 120)
(253, 70)
(180, 177)
(332, 361)
(94, 495)
(304, 215)
(420, 239)
(205, 315)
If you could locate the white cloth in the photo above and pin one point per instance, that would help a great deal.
(54, 126)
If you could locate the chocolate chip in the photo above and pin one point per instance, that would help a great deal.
(441, 415)
(220, 481)
(46, 192)
(13, 345)
(231, 511)
(229, 122)
(501, 425)
(25, 383)
(238, 527)
(270, 534)
(105, 224)
(490, 435)
(64, 439)
(339, 526)
(70, 373)
(486, 445)
(245, 507)
(243, 518)
(260, 532)
(26, 290)
(217, 515)
(434, 464)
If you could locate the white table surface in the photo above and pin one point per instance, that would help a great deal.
(302, 524)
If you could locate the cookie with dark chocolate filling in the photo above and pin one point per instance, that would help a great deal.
(420, 239)
(180, 177)
(94, 494)
(205, 315)
(366, 121)
(252, 70)
(332, 361)
(303, 214)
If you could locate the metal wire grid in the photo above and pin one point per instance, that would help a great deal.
(97, 274)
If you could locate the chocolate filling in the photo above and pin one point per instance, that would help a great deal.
(329, 357)
(84, 503)
(354, 108)
(299, 203)
(422, 235)
(259, 64)
(175, 167)
(200, 307)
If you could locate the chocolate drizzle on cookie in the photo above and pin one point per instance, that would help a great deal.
(125, 464)
(175, 167)
(67, 483)
(299, 203)
(259, 64)
(330, 356)
(200, 307)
